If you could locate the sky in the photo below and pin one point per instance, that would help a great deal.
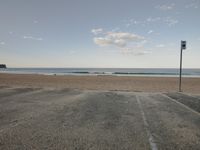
(99, 33)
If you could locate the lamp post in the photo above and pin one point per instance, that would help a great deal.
(183, 46)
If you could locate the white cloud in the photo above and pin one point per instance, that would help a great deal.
(32, 38)
(125, 36)
(121, 40)
(165, 7)
(97, 31)
(118, 39)
(170, 21)
(101, 41)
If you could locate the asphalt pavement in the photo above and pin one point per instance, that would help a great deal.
(37, 118)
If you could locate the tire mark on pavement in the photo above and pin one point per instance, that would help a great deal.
(151, 139)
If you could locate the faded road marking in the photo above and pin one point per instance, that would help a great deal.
(151, 139)
(188, 108)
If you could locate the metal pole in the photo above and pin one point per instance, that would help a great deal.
(180, 70)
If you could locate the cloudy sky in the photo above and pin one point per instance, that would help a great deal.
(99, 33)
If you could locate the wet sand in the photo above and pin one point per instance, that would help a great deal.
(114, 83)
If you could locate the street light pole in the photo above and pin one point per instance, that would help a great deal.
(183, 46)
(180, 72)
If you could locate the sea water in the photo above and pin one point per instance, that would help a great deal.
(159, 72)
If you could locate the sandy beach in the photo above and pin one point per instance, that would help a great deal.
(113, 83)
(99, 75)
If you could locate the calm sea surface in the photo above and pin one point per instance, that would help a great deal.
(170, 72)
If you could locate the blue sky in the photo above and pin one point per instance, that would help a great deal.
(99, 33)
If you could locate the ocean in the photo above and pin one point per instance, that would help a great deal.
(156, 72)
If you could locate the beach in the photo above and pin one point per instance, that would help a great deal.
(99, 75)
(112, 83)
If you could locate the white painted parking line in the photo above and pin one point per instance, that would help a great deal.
(151, 139)
(186, 107)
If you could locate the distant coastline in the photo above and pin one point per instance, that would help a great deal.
(3, 66)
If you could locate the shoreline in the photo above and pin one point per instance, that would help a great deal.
(142, 72)
(102, 82)
(114, 75)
